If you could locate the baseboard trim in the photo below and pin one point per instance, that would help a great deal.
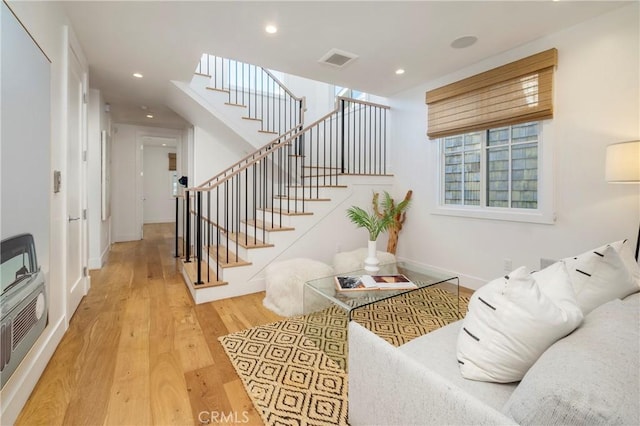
(124, 238)
(467, 281)
(17, 390)
(166, 220)
(97, 262)
(94, 263)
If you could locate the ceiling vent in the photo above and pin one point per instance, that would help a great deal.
(338, 58)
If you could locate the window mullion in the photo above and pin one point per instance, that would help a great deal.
(484, 169)
(463, 174)
(509, 176)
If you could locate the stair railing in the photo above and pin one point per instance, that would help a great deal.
(266, 99)
(241, 204)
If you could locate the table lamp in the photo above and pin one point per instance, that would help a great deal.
(623, 166)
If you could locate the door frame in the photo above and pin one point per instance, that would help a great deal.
(76, 63)
(141, 136)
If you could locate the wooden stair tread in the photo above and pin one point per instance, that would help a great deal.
(320, 175)
(248, 241)
(318, 186)
(252, 118)
(192, 273)
(289, 213)
(221, 253)
(268, 132)
(235, 105)
(282, 197)
(268, 226)
(367, 174)
(321, 168)
(202, 74)
(218, 90)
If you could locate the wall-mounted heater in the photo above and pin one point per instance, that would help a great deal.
(23, 302)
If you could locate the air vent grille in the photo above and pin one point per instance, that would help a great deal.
(5, 344)
(338, 58)
(23, 322)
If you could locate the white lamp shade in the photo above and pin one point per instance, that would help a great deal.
(623, 162)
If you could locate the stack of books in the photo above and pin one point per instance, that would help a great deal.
(374, 282)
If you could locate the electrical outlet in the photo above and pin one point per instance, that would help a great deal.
(507, 264)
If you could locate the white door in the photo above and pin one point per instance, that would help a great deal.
(76, 222)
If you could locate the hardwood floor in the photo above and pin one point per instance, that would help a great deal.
(139, 352)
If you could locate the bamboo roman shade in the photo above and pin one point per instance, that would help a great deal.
(514, 93)
(172, 161)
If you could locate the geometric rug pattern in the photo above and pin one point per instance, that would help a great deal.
(294, 370)
(403, 318)
(290, 380)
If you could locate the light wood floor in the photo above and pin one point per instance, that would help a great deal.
(139, 352)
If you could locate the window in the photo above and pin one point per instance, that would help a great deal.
(350, 93)
(490, 155)
(494, 173)
(173, 183)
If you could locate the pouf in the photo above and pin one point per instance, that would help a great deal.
(350, 261)
(285, 281)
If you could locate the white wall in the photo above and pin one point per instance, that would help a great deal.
(99, 235)
(46, 22)
(126, 177)
(335, 232)
(212, 156)
(320, 97)
(596, 104)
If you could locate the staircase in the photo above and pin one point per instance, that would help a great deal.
(250, 214)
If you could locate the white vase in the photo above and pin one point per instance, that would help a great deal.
(371, 262)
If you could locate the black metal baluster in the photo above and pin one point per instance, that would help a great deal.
(188, 227)
(199, 236)
(176, 227)
(342, 134)
(218, 233)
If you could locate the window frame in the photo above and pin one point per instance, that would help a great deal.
(543, 214)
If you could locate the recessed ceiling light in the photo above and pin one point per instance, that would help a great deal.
(462, 42)
(271, 29)
(399, 71)
(137, 75)
(164, 144)
(149, 115)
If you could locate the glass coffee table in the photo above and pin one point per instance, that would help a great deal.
(394, 315)
(322, 293)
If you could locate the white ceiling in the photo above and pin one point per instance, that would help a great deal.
(164, 40)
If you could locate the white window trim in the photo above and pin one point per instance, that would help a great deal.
(544, 214)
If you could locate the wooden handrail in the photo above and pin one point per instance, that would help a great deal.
(282, 86)
(357, 101)
(264, 147)
(273, 146)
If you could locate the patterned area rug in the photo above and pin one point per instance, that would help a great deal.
(294, 370)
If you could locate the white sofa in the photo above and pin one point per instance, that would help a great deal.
(587, 377)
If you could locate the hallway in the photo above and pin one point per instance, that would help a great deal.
(139, 352)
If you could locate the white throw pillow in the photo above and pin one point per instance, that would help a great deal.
(599, 276)
(512, 320)
(626, 251)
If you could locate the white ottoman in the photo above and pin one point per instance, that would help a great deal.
(285, 281)
(349, 261)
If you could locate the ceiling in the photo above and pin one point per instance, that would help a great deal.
(163, 40)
